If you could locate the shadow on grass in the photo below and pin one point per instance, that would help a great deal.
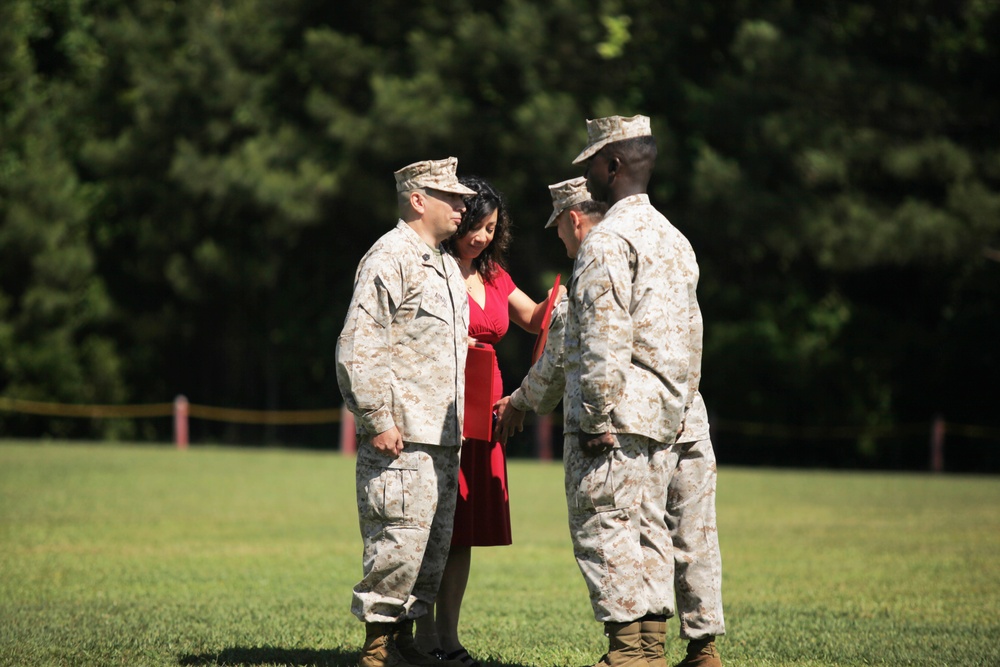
(292, 657)
(270, 655)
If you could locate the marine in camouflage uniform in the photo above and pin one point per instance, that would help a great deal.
(626, 374)
(690, 499)
(401, 369)
(632, 369)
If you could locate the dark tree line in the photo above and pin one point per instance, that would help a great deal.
(186, 189)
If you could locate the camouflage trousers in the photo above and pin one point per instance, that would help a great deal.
(691, 521)
(406, 509)
(617, 521)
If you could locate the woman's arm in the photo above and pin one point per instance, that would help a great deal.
(524, 312)
(527, 314)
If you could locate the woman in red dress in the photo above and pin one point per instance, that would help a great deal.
(482, 516)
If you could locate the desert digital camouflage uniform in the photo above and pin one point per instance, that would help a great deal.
(401, 362)
(690, 494)
(629, 340)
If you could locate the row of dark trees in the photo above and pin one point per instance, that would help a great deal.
(186, 188)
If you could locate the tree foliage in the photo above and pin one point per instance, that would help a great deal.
(188, 186)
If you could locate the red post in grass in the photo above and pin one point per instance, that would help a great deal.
(348, 443)
(181, 422)
(543, 436)
(937, 444)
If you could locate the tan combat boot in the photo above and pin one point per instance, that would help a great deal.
(701, 653)
(407, 647)
(624, 645)
(654, 634)
(380, 648)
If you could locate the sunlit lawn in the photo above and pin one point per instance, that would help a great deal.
(143, 555)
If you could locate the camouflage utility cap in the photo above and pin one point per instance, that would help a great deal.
(566, 194)
(432, 174)
(603, 131)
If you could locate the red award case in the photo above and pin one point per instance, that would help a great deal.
(479, 393)
(543, 334)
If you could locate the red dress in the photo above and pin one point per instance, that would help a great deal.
(482, 516)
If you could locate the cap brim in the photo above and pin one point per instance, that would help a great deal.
(457, 189)
(589, 151)
(552, 218)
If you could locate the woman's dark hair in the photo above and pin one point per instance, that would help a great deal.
(477, 207)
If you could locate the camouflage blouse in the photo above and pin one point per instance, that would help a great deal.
(401, 354)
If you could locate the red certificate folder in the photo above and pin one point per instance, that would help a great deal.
(543, 334)
(479, 393)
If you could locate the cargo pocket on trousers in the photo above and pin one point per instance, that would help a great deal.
(596, 489)
(387, 492)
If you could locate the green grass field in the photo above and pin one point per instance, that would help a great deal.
(142, 555)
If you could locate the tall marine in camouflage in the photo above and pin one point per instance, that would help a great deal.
(690, 507)
(401, 370)
(636, 427)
